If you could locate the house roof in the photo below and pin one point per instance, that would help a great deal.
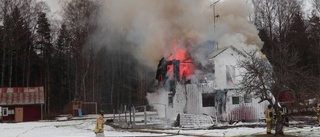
(21, 95)
(216, 53)
(219, 51)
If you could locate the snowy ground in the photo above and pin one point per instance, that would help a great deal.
(84, 128)
(74, 128)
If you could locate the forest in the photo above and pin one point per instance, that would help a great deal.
(69, 60)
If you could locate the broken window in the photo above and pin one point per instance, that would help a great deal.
(208, 100)
(235, 100)
(247, 98)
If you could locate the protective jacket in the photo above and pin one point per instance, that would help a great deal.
(99, 125)
(268, 114)
(318, 110)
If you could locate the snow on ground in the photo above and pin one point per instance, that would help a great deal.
(74, 128)
(246, 131)
(84, 128)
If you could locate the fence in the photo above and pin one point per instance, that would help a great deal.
(130, 117)
(89, 108)
(86, 107)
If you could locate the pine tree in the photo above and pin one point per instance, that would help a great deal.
(314, 40)
(61, 82)
(45, 51)
(16, 37)
(44, 38)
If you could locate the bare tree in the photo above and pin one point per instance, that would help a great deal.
(316, 5)
(259, 81)
(78, 16)
(275, 16)
(267, 82)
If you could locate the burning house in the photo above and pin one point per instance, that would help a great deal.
(193, 75)
(211, 89)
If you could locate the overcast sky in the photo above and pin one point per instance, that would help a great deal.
(55, 7)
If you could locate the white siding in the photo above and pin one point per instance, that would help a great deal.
(244, 111)
(227, 57)
(189, 99)
(194, 102)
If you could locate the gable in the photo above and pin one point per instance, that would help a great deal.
(222, 50)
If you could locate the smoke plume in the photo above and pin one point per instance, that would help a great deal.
(152, 24)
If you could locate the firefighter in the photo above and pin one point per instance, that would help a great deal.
(99, 129)
(284, 115)
(269, 115)
(317, 110)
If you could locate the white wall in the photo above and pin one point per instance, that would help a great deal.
(248, 111)
(228, 57)
(189, 99)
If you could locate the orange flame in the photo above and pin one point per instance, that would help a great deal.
(186, 62)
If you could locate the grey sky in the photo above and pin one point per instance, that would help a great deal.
(55, 7)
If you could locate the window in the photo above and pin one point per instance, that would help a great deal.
(235, 100)
(4, 111)
(230, 75)
(208, 100)
(10, 112)
(170, 103)
(247, 98)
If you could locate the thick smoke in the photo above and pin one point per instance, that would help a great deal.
(151, 25)
(233, 27)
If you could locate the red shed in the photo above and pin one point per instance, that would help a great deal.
(21, 104)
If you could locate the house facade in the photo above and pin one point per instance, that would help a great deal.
(218, 97)
(19, 104)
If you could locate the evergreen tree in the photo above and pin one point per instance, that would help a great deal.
(44, 37)
(297, 39)
(16, 38)
(44, 47)
(61, 91)
(314, 41)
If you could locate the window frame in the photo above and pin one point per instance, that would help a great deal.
(5, 111)
(247, 98)
(233, 100)
(208, 99)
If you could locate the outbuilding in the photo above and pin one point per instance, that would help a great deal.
(20, 104)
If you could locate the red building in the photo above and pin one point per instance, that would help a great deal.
(21, 104)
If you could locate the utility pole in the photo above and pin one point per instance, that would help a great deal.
(214, 13)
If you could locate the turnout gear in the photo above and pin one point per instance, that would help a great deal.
(269, 116)
(284, 116)
(99, 128)
(318, 114)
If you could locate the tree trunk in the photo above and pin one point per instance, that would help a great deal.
(279, 127)
(24, 69)
(69, 79)
(48, 86)
(10, 71)
(28, 67)
(16, 80)
(279, 120)
(76, 96)
(93, 80)
(3, 66)
(112, 80)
